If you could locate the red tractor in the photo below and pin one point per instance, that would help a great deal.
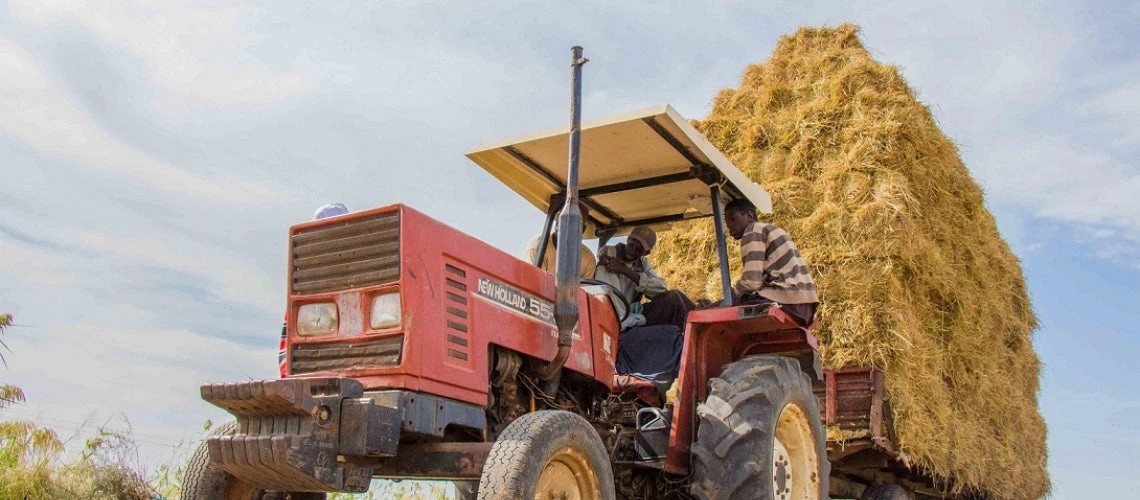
(417, 351)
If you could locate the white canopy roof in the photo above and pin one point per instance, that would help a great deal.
(643, 167)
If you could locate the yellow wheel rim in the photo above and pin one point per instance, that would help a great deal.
(567, 476)
(795, 463)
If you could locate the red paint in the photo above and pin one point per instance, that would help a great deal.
(427, 248)
(435, 259)
(714, 338)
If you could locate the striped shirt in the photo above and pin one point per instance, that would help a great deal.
(773, 267)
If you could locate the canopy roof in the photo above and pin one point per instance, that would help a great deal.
(648, 166)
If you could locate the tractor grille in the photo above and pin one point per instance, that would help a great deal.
(457, 312)
(312, 358)
(351, 254)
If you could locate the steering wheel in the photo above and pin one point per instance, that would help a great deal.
(616, 293)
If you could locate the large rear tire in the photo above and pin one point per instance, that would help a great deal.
(760, 436)
(203, 481)
(548, 454)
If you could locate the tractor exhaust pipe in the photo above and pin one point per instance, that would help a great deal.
(569, 235)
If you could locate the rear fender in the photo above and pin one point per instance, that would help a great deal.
(716, 337)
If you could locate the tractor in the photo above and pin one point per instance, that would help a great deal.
(417, 351)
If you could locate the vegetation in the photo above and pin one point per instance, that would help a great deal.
(34, 463)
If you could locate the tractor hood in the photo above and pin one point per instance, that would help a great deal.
(643, 167)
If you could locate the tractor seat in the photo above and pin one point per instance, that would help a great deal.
(648, 357)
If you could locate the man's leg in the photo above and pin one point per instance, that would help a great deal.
(669, 308)
(803, 313)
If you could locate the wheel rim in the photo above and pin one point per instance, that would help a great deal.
(567, 476)
(795, 462)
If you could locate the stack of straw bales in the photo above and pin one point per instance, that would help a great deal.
(913, 275)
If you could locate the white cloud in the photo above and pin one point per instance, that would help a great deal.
(1058, 180)
(191, 49)
(34, 109)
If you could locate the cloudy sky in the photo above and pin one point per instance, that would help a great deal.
(153, 155)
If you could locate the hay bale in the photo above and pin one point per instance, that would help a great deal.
(913, 275)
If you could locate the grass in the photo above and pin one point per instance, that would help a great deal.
(36, 464)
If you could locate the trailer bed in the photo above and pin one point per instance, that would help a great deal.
(861, 446)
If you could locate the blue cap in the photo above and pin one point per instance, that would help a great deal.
(330, 210)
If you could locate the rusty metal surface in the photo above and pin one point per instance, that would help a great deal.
(313, 358)
(837, 452)
(354, 253)
(368, 429)
(830, 408)
(436, 461)
(879, 416)
(288, 435)
(420, 413)
(854, 399)
(849, 400)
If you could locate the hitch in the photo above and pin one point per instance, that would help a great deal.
(292, 433)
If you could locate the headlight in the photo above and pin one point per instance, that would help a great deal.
(385, 311)
(317, 319)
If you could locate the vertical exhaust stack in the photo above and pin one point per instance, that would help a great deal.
(570, 234)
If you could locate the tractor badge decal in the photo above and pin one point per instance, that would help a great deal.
(515, 300)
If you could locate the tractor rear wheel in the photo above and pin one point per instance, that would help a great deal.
(760, 435)
(885, 492)
(548, 454)
(203, 481)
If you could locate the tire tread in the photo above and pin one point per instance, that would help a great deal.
(509, 472)
(736, 418)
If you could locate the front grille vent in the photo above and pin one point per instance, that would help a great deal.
(351, 254)
(456, 307)
(312, 358)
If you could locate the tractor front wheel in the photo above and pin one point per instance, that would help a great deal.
(548, 454)
(203, 481)
(760, 435)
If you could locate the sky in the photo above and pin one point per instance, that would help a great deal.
(153, 156)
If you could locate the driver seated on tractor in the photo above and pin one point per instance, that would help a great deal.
(774, 271)
(627, 268)
(550, 257)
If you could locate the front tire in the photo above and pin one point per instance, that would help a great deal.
(760, 436)
(203, 481)
(548, 454)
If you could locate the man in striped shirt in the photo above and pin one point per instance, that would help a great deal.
(773, 268)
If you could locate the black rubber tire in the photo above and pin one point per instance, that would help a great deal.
(885, 492)
(737, 426)
(521, 452)
(203, 481)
